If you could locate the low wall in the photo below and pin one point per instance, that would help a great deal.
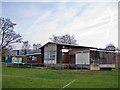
(107, 65)
(67, 66)
(94, 67)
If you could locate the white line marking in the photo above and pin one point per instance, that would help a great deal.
(67, 85)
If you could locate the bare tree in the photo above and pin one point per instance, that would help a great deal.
(36, 47)
(55, 39)
(25, 46)
(7, 34)
(5, 52)
(64, 39)
(110, 47)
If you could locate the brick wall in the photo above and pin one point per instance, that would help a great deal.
(35, 61)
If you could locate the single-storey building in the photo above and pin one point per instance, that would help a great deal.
(55, 53)
(59, 53)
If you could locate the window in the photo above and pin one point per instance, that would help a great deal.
(50, 55)
(32, 58)
(29, 58)
(46, 56)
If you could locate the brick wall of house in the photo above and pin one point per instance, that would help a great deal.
(38, 60)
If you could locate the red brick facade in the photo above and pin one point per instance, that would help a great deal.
(118, 60)
(38, 60)
(68, 59)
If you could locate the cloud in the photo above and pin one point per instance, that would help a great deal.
(43, 28)
(93, 24)
(96, 24)
(40, 19)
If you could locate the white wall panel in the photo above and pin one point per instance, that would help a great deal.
(49, 61)
(82, 58)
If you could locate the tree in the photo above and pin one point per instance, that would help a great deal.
(7, 34)
(36, 47)
(67, 39)
(25, 46)
(110, 47)
(5, 52)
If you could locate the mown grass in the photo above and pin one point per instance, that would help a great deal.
(22, 77)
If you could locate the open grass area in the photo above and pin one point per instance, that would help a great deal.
(14, 77)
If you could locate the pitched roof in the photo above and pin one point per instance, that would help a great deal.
(68, 45)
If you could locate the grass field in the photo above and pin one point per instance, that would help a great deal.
(13, 77)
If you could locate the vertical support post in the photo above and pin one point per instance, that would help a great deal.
(61, 66)
(116, 60)
(18, 65)
(31, 65)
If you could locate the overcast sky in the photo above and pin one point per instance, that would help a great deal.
(92, 23)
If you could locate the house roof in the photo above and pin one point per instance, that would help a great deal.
(33, 54)
(68, 45)
(104, 50)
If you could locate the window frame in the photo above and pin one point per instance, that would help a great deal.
(51, 55)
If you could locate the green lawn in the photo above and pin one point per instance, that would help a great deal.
(13, 77)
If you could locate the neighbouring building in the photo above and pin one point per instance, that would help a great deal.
(34, 58)
(16, 52)
(22, 52)
(25, 58)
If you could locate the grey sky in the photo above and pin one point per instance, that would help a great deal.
(92, 23)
